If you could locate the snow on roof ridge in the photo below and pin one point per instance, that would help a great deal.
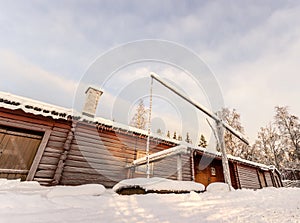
(28, 105)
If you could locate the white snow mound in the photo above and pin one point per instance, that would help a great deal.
(159, 184)
(87, 189)
(218, 187)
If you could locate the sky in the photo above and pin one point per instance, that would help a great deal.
(251, 47)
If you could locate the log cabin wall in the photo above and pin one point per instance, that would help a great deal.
(99, 154)
(167, 168)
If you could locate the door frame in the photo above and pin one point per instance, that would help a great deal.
(38, 156)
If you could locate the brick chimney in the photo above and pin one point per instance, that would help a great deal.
(91, 101)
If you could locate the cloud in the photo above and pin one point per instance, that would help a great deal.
(17, 74)
(266, 74)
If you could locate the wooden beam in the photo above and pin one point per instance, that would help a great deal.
(38, 155)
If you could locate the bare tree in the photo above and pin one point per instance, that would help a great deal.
(233, 145)
(139, 119)
(268, 148)
(289, 127)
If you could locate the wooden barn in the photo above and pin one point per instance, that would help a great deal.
(51, 145)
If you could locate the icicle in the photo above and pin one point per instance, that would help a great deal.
(149, 130)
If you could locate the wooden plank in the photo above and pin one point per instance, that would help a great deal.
(99, 165)
(91, 171)
(49, 160)
(13, 171)
(46, 167)
(57, 139)
(126, 153)
(99, 148)
(38, 155)
(24, 122)
(44, 173)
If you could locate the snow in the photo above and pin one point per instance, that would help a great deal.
(32, 187)
(18, 102)
(159, 184)
(218, 187)
(28, 202)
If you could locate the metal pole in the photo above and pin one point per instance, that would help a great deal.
(149, 130)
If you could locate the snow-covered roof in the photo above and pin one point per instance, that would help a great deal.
(14, 102)
(161, 154)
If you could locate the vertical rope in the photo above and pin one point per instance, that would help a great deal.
(149, 129)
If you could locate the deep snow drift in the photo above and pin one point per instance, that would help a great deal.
(29, 202)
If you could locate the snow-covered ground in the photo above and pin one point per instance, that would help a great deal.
(29, 202)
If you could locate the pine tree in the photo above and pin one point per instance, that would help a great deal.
(187, 139)
(174, 136)
(168, 134)
(139, 119)
(159, 132)
(202, 142)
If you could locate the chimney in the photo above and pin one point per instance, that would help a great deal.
(91, 102)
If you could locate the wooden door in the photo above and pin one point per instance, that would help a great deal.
(269, 181)
(17, 151)
(248, 177)
(208, 171)
(262, 179)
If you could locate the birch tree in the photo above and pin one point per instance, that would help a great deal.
(289, 128)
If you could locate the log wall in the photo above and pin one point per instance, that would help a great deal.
(99, 155)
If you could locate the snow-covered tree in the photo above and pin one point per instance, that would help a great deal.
(179, 138)
(159, 132)
(139, 119)
(234, 146)
(268, 148)
(289, 128)
(202, 141)
(278, 143)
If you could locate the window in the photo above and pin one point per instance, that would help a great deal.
(213, 171)
(142, 168)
